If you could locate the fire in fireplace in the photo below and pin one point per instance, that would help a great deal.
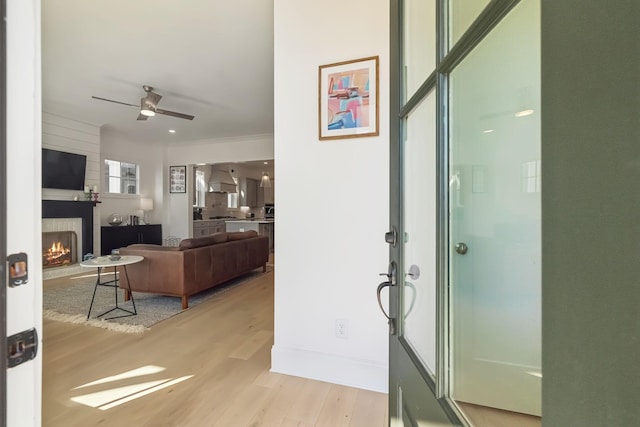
(59, 248)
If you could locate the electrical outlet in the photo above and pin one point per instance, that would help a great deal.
(342, 330)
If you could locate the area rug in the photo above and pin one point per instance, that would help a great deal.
(71, 303)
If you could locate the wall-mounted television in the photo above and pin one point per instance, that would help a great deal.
(63, 170)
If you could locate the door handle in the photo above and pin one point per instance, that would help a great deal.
(461, 248)
(391, 281)
(391, 321)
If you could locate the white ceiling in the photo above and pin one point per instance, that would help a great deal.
(212, 59)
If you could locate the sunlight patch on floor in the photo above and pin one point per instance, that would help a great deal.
(145, 370)
(107, 399)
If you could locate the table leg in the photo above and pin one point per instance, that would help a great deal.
(133, 301)
(115, 283)
(115, 286)
(95, 288)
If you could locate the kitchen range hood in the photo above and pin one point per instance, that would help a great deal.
(221, 182)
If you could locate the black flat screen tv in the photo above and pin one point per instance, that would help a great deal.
(63, 170)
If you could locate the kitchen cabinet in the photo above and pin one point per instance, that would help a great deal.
(265, 194)
(121, 236)
(260, 196)
(268, 193)
(249, 192)
(206, 227)
(200, 229)
(267, 229)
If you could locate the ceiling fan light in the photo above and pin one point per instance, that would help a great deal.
(147, 108)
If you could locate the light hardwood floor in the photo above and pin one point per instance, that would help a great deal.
(223, 345)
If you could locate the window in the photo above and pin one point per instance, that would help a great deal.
(121, 177)
(531, 177)
(200, 189)
(232, 198)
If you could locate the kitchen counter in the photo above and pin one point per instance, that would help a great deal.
(212, 220)
(258, 220)
(262, 226)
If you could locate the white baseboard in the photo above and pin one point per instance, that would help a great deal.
(331, 368)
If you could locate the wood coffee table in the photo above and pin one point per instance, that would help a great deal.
(104, 262)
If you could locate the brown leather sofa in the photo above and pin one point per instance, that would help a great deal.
(195, 265)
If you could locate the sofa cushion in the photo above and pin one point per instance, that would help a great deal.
(198, 242)
(241, 235)
(149, 247)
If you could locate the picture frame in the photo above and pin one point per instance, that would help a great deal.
(177, 179)
(348, 105)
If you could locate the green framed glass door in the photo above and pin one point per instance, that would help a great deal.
(443, 53)
(495, 218)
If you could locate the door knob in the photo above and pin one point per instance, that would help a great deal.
(391, 237)
(462, 248)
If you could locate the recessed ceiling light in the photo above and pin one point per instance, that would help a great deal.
(172, 131)
(487, 131)
(524, 113)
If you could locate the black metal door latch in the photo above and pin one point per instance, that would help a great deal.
(22, 347)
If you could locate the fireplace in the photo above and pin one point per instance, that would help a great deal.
(59, 248)
(73, 209)
(68, 215)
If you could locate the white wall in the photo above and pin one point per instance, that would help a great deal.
(332, 200)
(221, 150)
(150, 161)
(63, 134)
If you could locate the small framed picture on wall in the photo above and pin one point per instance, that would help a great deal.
(177, 179)
(348, 99)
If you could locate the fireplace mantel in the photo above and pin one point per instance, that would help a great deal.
(73, 209)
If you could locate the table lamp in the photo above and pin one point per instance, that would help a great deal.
(146, 204)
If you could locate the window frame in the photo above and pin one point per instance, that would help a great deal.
(107, 165)
(233, 199)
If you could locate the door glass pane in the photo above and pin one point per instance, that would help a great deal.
(419, 43)
(495, 211)
(462, 13)
(419, 159)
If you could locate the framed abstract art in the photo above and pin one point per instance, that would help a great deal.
(348, 99)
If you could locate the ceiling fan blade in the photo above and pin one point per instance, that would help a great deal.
(149, 102)
(174, 114)
(116, 102)
(154, 98)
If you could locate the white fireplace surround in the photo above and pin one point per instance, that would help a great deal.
(64, 224)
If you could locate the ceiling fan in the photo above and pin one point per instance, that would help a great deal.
(149, 105)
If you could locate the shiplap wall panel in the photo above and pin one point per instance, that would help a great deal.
(63, 134)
